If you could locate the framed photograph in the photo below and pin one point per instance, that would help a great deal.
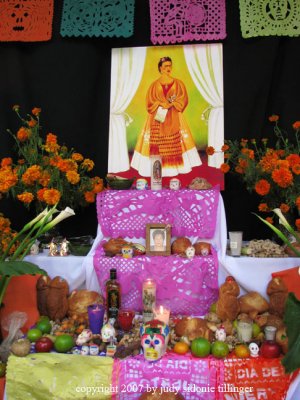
(158, 239)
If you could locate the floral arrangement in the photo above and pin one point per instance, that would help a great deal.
(46, 173)
(6, 235)
(271, 172)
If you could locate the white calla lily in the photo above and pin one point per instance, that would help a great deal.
(66, 213)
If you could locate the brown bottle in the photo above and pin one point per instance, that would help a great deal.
(113, 295)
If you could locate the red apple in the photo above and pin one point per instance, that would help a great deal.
(43, 345)
(270, 349)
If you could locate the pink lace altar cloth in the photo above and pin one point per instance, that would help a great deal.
(186, 20)
(125, 213)
(186, 286)
(194, 378)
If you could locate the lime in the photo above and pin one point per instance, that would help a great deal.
(255, 330)
(213, 307)
(235, 324)
(219, 349)
(200, 347)
(34, 334)
(44, 326)
(44, 318)
(64, 343)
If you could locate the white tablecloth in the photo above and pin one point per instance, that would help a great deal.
(68, 267)
(255, 273)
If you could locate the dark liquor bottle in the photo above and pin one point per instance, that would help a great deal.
(113, 295)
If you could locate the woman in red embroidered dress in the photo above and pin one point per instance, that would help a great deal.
(169, 137)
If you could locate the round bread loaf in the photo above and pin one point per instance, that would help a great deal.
(180, 245)
(80, 300)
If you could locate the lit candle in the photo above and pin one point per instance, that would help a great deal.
(96, 315)
(162, 314)
(149, 295)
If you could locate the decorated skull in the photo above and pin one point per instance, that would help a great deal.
(254, 349)
(108, 333)
(84, 337)
(154, 339)
(220, 334)
(127, 251)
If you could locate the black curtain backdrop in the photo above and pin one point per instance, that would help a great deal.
(69, 78)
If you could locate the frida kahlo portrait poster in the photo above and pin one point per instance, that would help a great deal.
(167, 101)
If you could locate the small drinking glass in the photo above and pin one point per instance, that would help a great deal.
(125, 318)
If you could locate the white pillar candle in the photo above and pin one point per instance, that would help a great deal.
(162, 314)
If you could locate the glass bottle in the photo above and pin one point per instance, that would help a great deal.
(113, 295)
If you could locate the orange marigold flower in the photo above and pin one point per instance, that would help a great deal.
(77, 157)
(297, 223)
(262, 187)
(54, 161)
(284, 207)
(89, 197)
(268, 162)
(282, 164)
(210, 150)
(73, 177)
(97, 184)
(32, 123)
(244, 142)
(224, 168)
(4, 224)
(31, 175)
(239, 170)
(283, 177)
(36, 111)
(296, 169)
(23, 134)
(88, 164)
(296, 125)
(293, 159)
(248, 152)
(45, 178)
(263, 207)
(8, 179)
(297, 202)
(40, 194)
(51, 145)
(51, 196)
(280, 153)
(227, 155)
(273, 118)
(225, 147)
(243, 163)
(270, 220)
(51, 138)
(25, 197)
(67, 165)
(6, 161)
(21, 161)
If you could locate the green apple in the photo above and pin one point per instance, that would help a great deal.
(255, 329)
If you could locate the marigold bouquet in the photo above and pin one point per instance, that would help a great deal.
(271, 172)
(46, 172)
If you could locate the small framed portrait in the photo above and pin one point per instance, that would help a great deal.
(158, 239)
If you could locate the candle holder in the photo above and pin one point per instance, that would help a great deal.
(244, 331)
(125, 318)
(161, 313)
(149, 299)
(96, 316)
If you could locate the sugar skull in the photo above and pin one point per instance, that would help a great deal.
(154, 339)
(190, 252)
(85, 350)
(254, 349)
(220, 334)
(108, 333)
(174, 184)
(127, 251)
(84, 337)
(141, 184)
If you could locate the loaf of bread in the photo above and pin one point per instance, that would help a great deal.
(253, 303)
(180, 245)
(114, 246)
(42, 289)
(202, 248)
(79, 301)
(278, 294)
(193, 328)
(57, 299)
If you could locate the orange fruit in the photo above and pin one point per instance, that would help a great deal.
(219, 349)
(181, 348)
(242, 351)
(200, 347)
